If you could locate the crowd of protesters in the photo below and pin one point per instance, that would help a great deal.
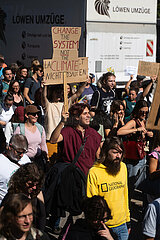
(87, 161)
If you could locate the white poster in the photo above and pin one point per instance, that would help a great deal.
(136, 11)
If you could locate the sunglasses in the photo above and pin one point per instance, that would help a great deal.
(19, 152)
(33, 114)
(143, 112)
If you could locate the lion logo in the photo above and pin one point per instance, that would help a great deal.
(102, 7)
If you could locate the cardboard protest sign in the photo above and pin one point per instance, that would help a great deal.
(153, 121)
(148, 68)
(65, 57)
(151, 69)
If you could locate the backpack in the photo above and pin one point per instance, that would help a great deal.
(65, 187)
(22, 127)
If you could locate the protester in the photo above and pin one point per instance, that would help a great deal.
(35, 62)
(14, 89)
(130, 102)
(53, 108)
(6, 110)
(17, 117)
(29, 179)
(7, 73)
(103, 97)
(11, 160)
(115, 119)
(93, 226)
(21, 76)
(135, 83)
(154, 167)
(151, 226)
(136, 133)
(75, 134)
(32, 84)
(108, 178)
(34, 133)
(14, 68)
(16, 219)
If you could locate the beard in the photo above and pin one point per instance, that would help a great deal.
(113, 166)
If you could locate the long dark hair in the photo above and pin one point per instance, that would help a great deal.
(11, 90)
(110, 143)
(74, 112)
(27, 172)
(140, 104)
(94, 208)
(14, 204)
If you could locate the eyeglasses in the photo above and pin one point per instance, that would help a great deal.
(18, 152)
(23, 217)
(143, 112)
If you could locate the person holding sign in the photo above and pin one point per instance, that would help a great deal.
(74, 133)
(53, 107)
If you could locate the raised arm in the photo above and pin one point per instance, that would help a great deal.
(56, 135)
(128, 84)
(44, 95)
(147, 89)
(79, 92)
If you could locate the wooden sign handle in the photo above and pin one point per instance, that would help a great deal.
(65, 92)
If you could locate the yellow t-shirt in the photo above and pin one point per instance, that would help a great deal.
(114, 189)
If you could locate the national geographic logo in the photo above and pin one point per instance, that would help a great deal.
(111, 186)
(102, 7)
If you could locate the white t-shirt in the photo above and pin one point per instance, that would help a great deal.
(6, 171)
(6, 114)
(52, 117)
(151, 222)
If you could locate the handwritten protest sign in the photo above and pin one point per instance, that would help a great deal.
(65, 57)
(148, 68)
(151, 69)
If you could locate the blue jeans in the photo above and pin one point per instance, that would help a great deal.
(132, 173)
(121, 231)
(134, 168)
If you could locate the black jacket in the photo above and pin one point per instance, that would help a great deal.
(65, 186)
(80, 230)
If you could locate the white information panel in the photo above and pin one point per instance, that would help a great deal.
(137, 11)
(120, 51)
